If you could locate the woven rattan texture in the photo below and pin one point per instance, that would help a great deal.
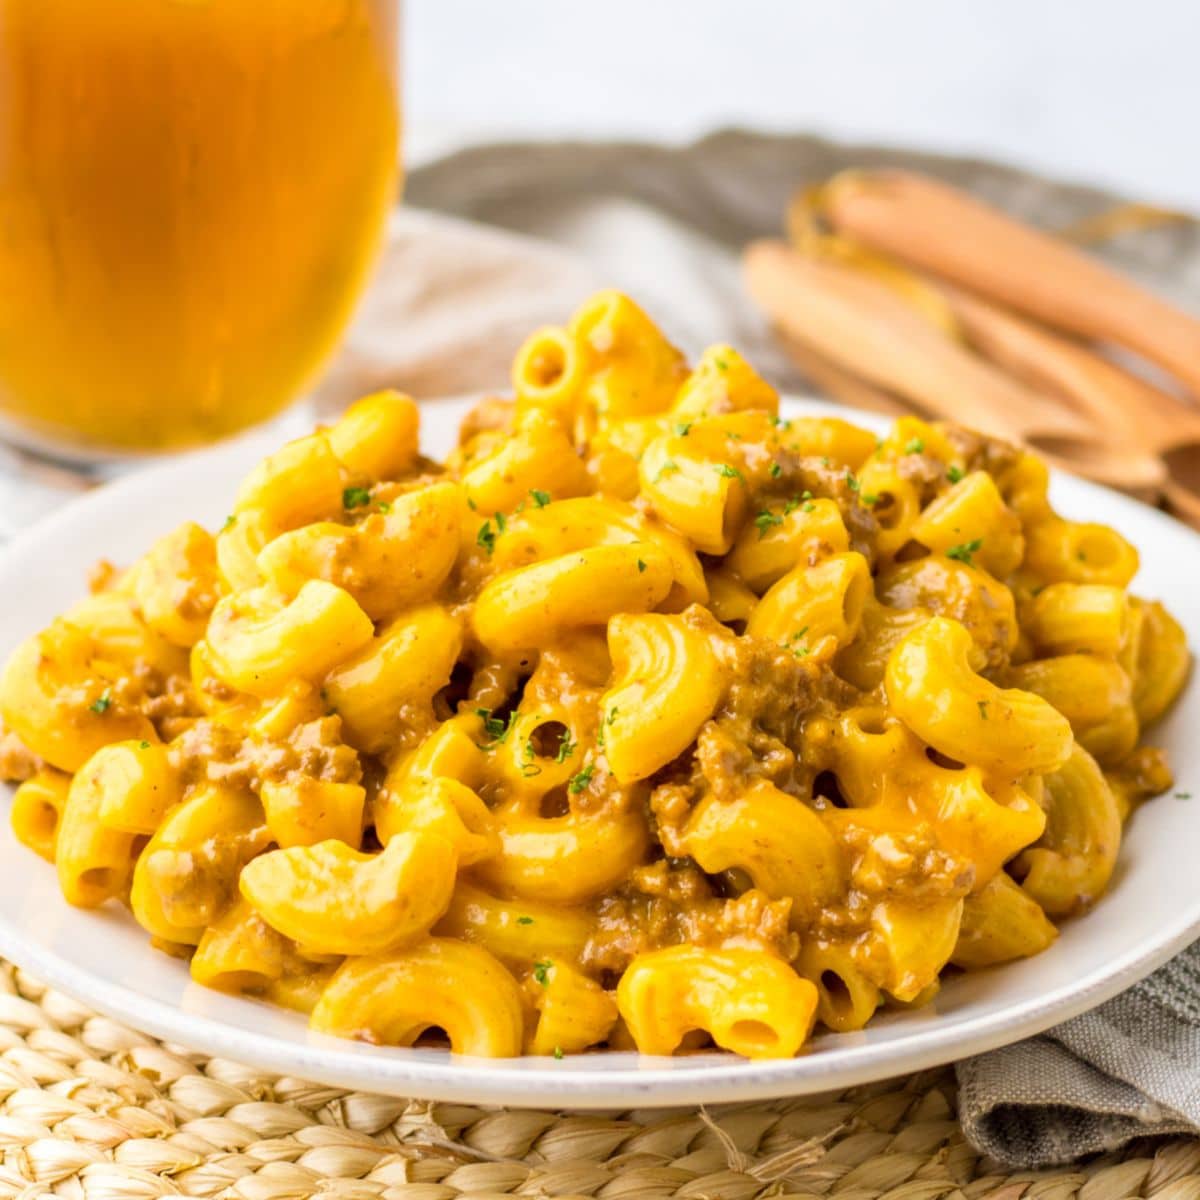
(91, 1109)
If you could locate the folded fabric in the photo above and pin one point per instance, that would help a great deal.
(1128, 1069)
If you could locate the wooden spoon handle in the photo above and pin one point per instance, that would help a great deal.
(864, 331)
(1127, 409)
(865, 328)
(838, 383)
(943, 230)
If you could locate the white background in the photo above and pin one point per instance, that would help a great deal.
(1105, 92)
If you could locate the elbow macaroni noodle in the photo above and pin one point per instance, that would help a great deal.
(647, 720)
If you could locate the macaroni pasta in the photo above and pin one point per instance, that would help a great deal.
(648, 719)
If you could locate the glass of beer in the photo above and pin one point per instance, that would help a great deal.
(192, 193)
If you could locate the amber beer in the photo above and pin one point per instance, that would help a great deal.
(191, 195)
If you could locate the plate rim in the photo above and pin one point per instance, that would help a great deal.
(535, 1082)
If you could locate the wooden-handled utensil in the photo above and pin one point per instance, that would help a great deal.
(1131, 411)
(944, 231)
(863, 327)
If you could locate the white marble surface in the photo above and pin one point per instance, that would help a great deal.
(1104, 91)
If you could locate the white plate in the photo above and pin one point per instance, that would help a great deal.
(104, 959)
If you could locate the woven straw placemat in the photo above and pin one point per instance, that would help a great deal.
(89, 1108)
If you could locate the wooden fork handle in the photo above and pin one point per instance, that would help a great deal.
(931, 225)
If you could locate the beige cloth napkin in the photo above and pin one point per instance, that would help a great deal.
(522, 234)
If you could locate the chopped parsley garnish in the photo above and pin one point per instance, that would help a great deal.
(870, 499)
(540, 498)
(954, 474)
(494, 727)
(964, 551)
(915, 446)
(1183, 795)
(486, 537)
(775, 470)
(501, 522)
(230, 521)
(765, 521)
(144, 746)
(581, 779)
(101, 704)
(852, 481)
(612, 715)
(683, 428)
(825, 461)
(541, 972)
(558, 1053)
(728, 472)
(472, 505)
(384, 507)
(641, 566)
(524, 920)
(722, 365)
(355, 497)
(982, 708)
(566, 747)
(668, 468)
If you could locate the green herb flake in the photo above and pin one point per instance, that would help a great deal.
(486, 537)
(683, 428)
(524, 920)
(765, 521)
(501, 522)
(384, 507)
(983, 707)
(825, 461)
(540, 498)
(581, 779)
(494, 727)
(641, 566)
(1183, 795)
(722, 364)
(775, 470)
(472, 505)
(355, 497)
(870, 499)
(541, 972)
(954, 474)
(558, 1053)
(101, 704)
(668, 468)
(915, 446)
(143, 745)
(852, 481)
(566, 747)
(230, 521)
(612, 715)
(728, 472)
(964, 552)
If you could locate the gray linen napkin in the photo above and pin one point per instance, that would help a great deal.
(515, 235)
